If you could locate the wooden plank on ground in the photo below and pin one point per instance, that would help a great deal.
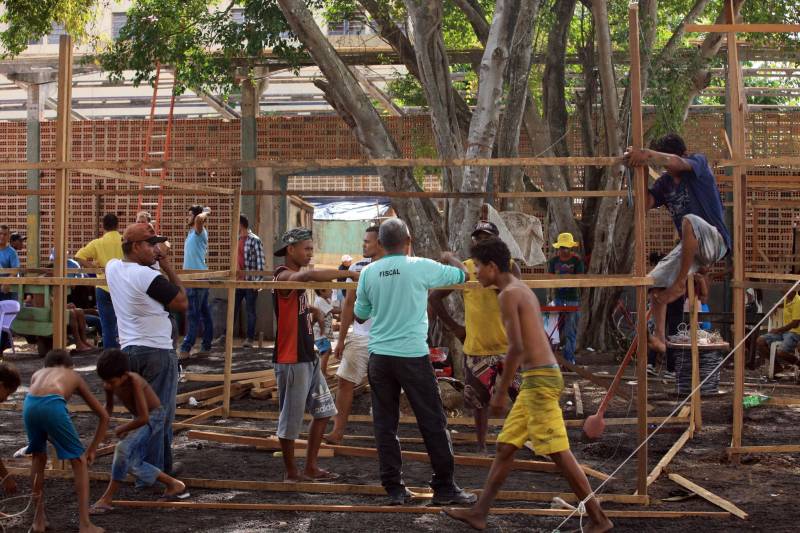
(194, 376)
(708, 495)
(341, 488)
(320, 508)
(683, 439)
(778, 448)
(578, 399)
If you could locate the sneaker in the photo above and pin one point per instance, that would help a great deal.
(459, 497)
(651, 370)
(248, 343)
(669, 376)
(400, 498)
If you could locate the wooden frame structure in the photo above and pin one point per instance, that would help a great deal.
(638, 279)
(737, 108)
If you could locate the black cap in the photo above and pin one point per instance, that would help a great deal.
(484, 226)
(293, 236)
(18, 237)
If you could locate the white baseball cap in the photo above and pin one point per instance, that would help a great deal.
(347, 259)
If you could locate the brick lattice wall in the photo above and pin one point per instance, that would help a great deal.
(308, 137)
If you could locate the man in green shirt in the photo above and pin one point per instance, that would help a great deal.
(393, 292)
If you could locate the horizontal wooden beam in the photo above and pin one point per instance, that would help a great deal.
(355, 451)
(344, 488)
(772, 276)
(237, 376)
(164, 184)
(776, 448)
(742, 28)
(542, 282)
(387, 509)
(708, 495)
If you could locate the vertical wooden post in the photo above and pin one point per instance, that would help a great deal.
(640, 196)
(59, 303)
(696, 420)
(234, 265)
(736, 109)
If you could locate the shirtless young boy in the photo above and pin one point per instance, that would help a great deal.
(46, 418)
(536, 415)
(140, 400)
(9, 383)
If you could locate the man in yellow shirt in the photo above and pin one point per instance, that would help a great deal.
(96, 254)
(483, 336)
(788, 334)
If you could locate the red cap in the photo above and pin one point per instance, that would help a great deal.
(142, 232)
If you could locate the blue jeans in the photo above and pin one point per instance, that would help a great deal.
(129, 455)
(249, 296)
(569, 330)
(108, 319)
(159, 367)
(198, 310)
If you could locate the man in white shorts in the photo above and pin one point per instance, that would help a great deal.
(689, 191)
(352, 349)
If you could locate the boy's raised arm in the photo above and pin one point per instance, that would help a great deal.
(102, 426)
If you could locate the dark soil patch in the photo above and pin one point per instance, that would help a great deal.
(766, 489)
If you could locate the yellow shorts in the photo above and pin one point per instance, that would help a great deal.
(536, 415)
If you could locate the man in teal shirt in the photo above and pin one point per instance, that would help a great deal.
(393, 292)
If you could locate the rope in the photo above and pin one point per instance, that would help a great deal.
(593, 493)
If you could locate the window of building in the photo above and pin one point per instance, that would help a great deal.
(356, 25)
(118, 20)
(56, 31)
(237, 15)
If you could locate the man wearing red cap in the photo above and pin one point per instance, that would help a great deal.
(142, 298)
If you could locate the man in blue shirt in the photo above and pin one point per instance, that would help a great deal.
(8, 259)
(689, 190)
(195, 250)
(393, 292)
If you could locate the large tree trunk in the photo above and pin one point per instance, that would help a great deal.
(434, 74)
(554, 77)
(518, 70)
(486, 116)
(354, 106)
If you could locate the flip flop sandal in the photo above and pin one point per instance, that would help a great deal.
(174, 497)
(100, 509)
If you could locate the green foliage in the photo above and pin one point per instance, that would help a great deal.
(28, 20)
(203, 46)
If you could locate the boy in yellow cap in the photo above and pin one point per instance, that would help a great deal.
(567, 262)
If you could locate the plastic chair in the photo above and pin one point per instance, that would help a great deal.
(775, 321)
(8, 312)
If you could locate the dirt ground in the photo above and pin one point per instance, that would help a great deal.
(765, 486)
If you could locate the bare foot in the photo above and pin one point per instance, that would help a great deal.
(334, 437)
(319, 474)
(40, 523)
(656, 344)
(482, 449)
(175, 488)
(607, 525)
(468, 516)
(91, 528)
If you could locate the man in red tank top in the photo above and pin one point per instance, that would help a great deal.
(301, 384)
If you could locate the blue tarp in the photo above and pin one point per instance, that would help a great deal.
(348, 209)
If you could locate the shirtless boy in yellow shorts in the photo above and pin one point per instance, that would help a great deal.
(536, 415)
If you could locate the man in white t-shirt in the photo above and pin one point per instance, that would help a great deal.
(352, 349)
(142, 298)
